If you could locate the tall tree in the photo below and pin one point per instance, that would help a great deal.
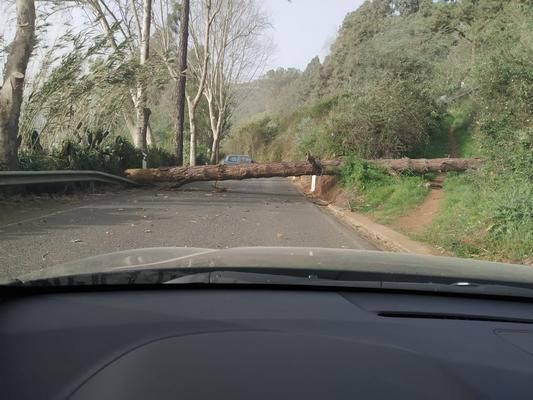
(12, 88)
(200, 29)
(237, 54)
(128, 32)
(142, 111)
(182, 79)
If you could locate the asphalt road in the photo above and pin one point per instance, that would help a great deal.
(262, 212)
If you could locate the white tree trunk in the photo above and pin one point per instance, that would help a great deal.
(215, 121)
(141, 111)
(192, 129)
(215, 150)
(150, 138)
(193, 102)
(12, 88)
(132, 129)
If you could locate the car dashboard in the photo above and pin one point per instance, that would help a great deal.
(263, 344)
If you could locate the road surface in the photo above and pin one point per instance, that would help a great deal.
(261, 212)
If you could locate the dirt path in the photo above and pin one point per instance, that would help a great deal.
(416, 221)
(420, 218)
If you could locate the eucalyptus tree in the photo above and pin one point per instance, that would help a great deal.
(126, 25)
(182, 80)
(238, 52)
(12, 89)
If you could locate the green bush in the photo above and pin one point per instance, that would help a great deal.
(372, 190)
(158, 157)
(29, 161)
(120, 155)
(113, 156)
(361, 174)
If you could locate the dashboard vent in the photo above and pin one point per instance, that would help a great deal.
(461, 317)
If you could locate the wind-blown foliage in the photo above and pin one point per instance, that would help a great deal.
(82, 90)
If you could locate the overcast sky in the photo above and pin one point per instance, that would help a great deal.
(301, 30)
(305, 28)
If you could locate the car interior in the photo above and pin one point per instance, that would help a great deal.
(244, 342)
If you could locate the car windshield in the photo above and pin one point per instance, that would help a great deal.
(140, 138)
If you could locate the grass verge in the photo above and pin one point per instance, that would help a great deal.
(371, 190)
(484, 216)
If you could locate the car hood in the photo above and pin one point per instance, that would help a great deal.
(289, 258)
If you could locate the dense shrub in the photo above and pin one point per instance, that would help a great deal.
(158, 157)
(113, 156)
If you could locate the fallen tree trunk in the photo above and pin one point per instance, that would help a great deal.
(421, 165)
(183, 175)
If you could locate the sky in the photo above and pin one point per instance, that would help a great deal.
(304, 29)
(301, 29)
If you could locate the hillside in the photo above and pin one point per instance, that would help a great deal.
(416, 78)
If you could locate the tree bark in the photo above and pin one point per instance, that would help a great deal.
(192, 102)
(183, 175)
(151, 140)
(140, 141)
(215, 149)
(192, 132)
(131, 125)
(182, 80)
(12, 89)
(421, 165)
(142, 112)
(215, 122)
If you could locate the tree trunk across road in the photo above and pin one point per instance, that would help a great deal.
(183, 175)
(421, 165)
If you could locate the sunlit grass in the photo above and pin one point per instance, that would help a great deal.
(483, 217)
(385, 197)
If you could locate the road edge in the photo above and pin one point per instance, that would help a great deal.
(384, 236)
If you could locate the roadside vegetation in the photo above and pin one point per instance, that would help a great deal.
(372, 190)
(111, 155)
(118, 72)
(489, 219)
(425, 79)
(404, 78)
